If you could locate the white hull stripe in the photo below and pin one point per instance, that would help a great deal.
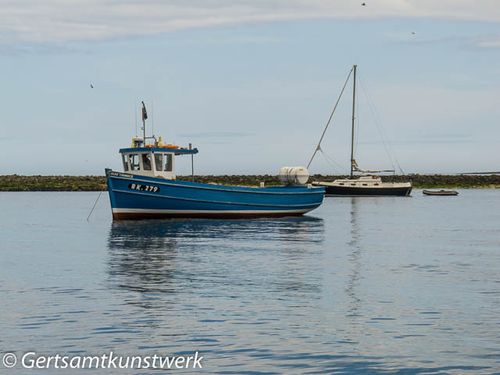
(162, 211)
(384, 185)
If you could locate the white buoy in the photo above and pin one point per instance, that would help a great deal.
(294, 175)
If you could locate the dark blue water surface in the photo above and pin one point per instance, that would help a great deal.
(361, 285)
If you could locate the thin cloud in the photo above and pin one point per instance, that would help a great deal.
(58, 21)
(438, 141)
(482, 42)
(216, 135)
(488, 42)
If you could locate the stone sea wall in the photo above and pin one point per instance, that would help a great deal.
(96, 183)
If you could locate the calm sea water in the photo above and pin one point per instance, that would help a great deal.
(361, 285)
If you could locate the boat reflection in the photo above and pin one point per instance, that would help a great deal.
(354, 260)
(161, 255)
(142, 256)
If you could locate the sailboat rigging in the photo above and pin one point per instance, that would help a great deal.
(367, 184)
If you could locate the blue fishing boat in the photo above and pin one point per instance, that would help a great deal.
(148, 188)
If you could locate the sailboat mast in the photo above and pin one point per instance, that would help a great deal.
(353, 118)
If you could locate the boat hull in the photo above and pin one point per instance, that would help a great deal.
(441, 193)
(141, 197)
(367, 191)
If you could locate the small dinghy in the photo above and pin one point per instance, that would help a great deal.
(440, 192)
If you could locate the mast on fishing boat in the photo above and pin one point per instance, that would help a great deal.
(144, 118)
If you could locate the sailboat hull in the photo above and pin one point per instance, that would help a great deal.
(365, 186)
(367, 191)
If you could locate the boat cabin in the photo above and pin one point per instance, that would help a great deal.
(154, 160)
(362, 181)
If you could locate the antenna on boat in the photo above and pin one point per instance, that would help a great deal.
(353, 118)
(153, 118)
(192, 163)
(144, 117)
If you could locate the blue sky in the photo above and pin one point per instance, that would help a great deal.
(251, 84)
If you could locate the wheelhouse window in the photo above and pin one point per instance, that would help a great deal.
(125, 162)
(168, 163)
(159, 162)
(134, 162)
(146, 162)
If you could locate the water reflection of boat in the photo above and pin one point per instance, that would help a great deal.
(355, 260)
(148, 256)
(142, 257)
